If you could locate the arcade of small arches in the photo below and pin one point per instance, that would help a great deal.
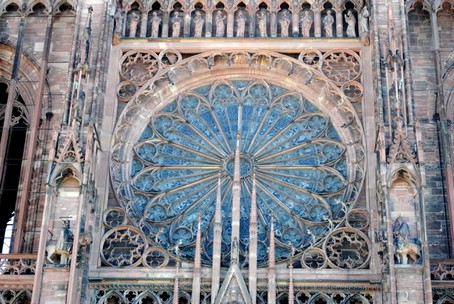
(37, 8)
(243, 19)
(137, 295)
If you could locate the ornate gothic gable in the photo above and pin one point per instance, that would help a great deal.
(70, 150)
(400, 151)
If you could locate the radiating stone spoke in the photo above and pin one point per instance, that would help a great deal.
(298, 157)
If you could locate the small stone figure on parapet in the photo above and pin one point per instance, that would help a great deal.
(364, 26)
(176, 25)
(364, 20)
(306, 24)
(285, 23)
(198, 24)
(155, 22)
(134, 22)
(240, 24)
(220, 24)
(351, 23)
(328, 22)
(118, 17)
(261, 17)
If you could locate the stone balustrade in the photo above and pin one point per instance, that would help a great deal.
(442, 270)
(17, 264)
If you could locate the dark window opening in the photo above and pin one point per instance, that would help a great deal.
(9, 183)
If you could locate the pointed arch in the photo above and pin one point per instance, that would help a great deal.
(29, 71)
(446, 4)
(149, 5)
(447, 299)
(423, 4)
(448, 85)
(112, 296)
(318, 298)
(142, 297)
(65, 7)
(38, 7)
(136, 5)
(12, 7)
(406, 173)
(65, 171)
(22, 297)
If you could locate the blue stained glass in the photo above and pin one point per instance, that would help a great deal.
(276, 90)
(204, 91)
(146, 134)
(298, 158)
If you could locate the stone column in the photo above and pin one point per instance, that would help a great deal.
(230, 23)
(339, 22)
(208, 24)
(165, 24)
(143, 24)
(197, 265)
(317, 22)
(252, 25)
(273, 24)
(253, 243)
(187, 24)
(271, 268)
(296, 23)
(217, 239)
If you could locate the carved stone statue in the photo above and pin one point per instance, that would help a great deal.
(402, 229)
(176, 25)
(135, 19)
(240, 23)
(364, 20)
(351, 23)
(328, 22)
(404, 250)
(306, 24)
(220, 23)
(198, 24)
(403, 247)
(62, 247)
(261, 19)
(155, 22)
(118, 18)
(364, 26)
(285, 23)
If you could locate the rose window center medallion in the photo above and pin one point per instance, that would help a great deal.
(288, 148)
(246, 165)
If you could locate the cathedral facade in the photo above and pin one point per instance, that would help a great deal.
(226, 151)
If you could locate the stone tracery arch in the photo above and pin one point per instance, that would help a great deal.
(28, 71)
(192, 73)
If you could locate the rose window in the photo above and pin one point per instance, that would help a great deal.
(288, 144)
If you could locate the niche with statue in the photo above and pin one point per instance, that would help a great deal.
(403, 199)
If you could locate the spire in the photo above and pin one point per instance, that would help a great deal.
(176, 290)
(236, 188)
(291, 295)
(253, 243)
(217, 239)
(197, 264)
(234, 287)
(271, 268)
